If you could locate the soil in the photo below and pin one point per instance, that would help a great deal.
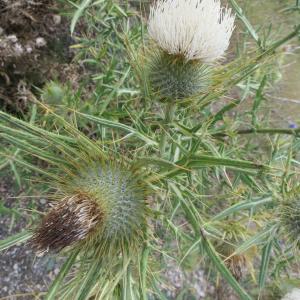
(34, 40)
(22, 274)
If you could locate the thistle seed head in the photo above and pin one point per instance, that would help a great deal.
(69, 221)
(195, 29)
(107, 207)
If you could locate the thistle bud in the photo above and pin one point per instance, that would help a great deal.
(53, 93)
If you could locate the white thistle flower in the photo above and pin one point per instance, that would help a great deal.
(196, 29)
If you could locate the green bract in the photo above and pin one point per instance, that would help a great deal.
(174, 77)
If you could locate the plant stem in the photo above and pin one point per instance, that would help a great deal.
(295, 132)
(169, 116)
(280, 42)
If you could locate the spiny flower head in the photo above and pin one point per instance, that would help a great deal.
(194, 29)
(103, 203)
(289, 215)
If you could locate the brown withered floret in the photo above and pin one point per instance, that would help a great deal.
(70, 221)
(237, 265)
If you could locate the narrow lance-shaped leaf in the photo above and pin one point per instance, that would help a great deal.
(219, 264)
(84, 4)
(240, 206)
(143, 272)
(264, 265)
(255, 240)
(246, 22)
(52, 292)
(117, 125)
(15, 239)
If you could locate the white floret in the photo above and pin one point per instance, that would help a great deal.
(196, 29)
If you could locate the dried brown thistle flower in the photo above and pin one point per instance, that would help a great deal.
(70, 221)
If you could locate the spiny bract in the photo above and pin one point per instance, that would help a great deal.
(175, 77)
(53, 93)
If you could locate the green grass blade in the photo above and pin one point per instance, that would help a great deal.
(15, 239)
(52, 292)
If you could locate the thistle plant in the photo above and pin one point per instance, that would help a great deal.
(188, 37)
